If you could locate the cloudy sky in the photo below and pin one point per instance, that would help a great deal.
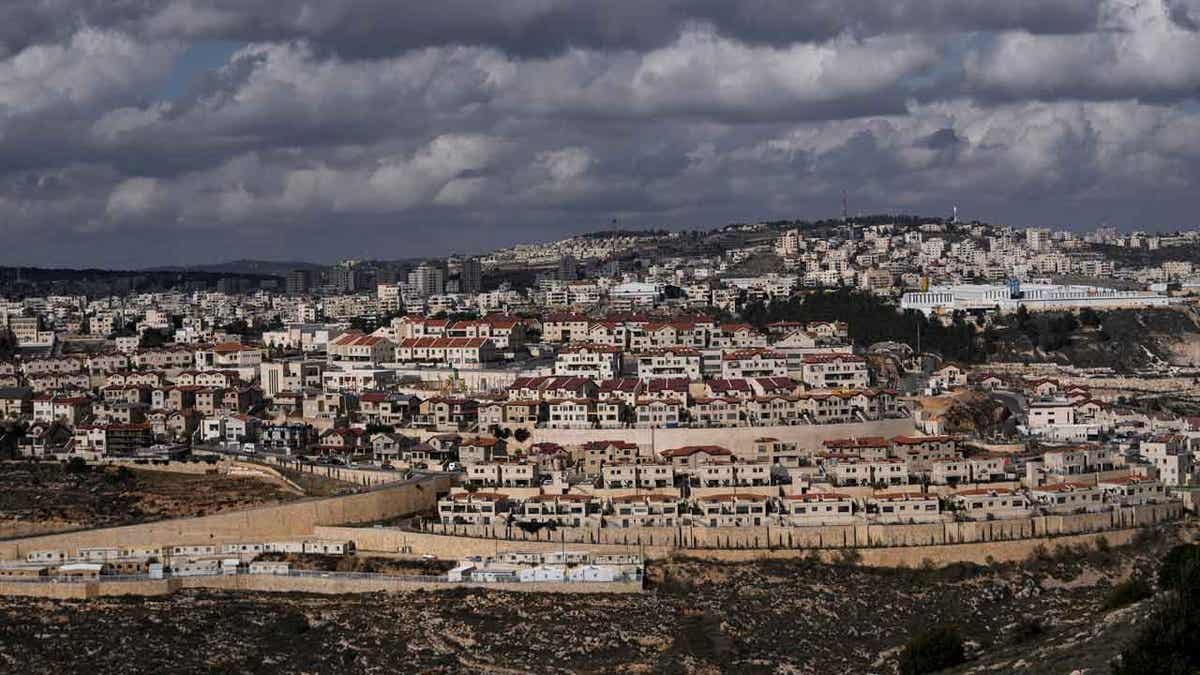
(147, 132)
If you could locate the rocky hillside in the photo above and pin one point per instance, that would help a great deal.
(1120, 339)
(791, 616)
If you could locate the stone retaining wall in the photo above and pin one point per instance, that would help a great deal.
(461, 541)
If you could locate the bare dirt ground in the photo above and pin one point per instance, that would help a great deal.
(38, 498)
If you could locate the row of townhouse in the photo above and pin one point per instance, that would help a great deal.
(724, 510)
(493, 508)
(638, 334)
(165, 359)
(56, 365)
(504, 332)
(937, 459)
(232, 356)
(353, 347)
(821, 371)
(664, 411)
(55, 382)
(459, 352)
(866, 461)
(203, 398)
(179, 559)
(149, 378)
(811, 508)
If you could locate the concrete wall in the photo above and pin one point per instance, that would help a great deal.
(366, 477)
(46, 590)
(191, 468)
(453, 542)
(296, 519)
(807, 436)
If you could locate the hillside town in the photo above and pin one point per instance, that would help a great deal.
(600, 336)
(563, 417)
(516, 387)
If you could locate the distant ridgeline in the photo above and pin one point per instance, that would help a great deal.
(21, 281)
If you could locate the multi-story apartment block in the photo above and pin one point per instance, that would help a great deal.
(631, 474)
(816, 508)
(650, 510)
(595, 362)
(754, 363)
(669, 363)
(834, 371)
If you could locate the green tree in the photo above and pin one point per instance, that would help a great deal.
(871, 319)
(1179, 562)
(1166, 641)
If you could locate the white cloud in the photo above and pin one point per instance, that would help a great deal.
(94, 67)
(1144, 53)
(135, 198)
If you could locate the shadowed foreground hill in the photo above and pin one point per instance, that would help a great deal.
(695, 617)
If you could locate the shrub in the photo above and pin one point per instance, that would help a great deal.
(1146, 536)
(1027, 629)
(1166, 642)
(700, 635)
(675, 585)
(1134, 589)
(1039, 553)
(77, 465)
(849, 557)
(1181, 562)
(931, 650)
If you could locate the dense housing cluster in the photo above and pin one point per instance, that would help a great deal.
(630, 380)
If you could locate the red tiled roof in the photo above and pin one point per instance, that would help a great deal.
(830, 358)
(442, 343)
(689, 450)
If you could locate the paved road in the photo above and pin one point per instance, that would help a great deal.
(1014, 401)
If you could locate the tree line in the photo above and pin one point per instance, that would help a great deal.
(872, 319)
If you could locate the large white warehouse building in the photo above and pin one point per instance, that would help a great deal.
(1034, 296)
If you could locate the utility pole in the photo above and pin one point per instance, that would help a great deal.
(918, 320)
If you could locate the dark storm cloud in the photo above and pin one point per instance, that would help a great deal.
(394, 129)
(1186, 13)
(373, 28)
